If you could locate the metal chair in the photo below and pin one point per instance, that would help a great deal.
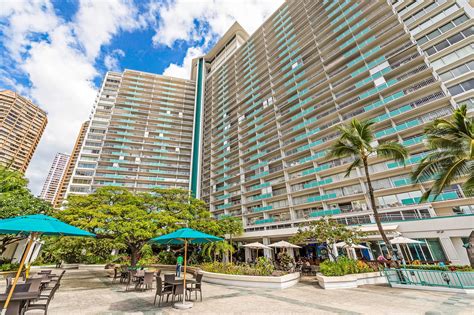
(146, 281)
(162, 290)
(42, 303)
(196, 287)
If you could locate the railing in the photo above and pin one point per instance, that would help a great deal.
(431, 278)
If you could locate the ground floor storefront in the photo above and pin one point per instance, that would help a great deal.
(441, 240)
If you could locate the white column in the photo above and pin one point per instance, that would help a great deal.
(450, 250)
(267, 252)
(291, 252)
(334, 252)
(248, 254)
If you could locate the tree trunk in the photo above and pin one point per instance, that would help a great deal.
(374, 208)
(230, 251)
(133, 256)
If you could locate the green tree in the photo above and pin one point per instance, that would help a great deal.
(452, 156)
(117, 214)
(133, 219)
(329, 231)
(231, 226)
(357, 140)
(15, 200)
(216, 249)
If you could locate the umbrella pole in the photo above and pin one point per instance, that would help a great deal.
(185, 265)
(18, 273)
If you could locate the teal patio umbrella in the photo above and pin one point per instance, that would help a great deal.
(185, 236)
(35, 225)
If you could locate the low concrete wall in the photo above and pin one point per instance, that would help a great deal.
(270, 282)
(350, 281)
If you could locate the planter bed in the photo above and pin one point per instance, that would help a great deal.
(350, 281)
(270, 282)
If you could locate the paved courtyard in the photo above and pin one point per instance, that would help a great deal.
(91, 292)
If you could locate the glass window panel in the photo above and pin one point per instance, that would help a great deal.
(460, 70)
(468, 85)
(460, 19)
(436, 249)
(444, 44)
(422, 40)
(455, 90)
(446, 76)
(468, 32)
(434, 34)
(430, 51)
(470, 65)
(453, 39)
(446, 27)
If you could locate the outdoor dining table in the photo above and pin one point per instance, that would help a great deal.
(179, 281)
(17, 301)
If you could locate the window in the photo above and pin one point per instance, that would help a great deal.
(454, 56)
(462, 87)
(458, 71)
(450, 41)
(433, 20)
(443, 29)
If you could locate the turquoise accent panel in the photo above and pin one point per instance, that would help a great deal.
(197, 130)
(325, 212)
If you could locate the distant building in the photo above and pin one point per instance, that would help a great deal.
(70, 166)
(55, 175)
(21, 126)
(139, 136)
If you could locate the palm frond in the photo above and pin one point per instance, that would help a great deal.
(392, 150)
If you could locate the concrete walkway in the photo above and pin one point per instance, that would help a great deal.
(91, 292)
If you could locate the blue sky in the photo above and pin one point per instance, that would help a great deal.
(55, 52)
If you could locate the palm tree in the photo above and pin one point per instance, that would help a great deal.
(452, 157)
(215, 249)
(357, 140)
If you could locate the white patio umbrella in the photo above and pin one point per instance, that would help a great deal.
(404, 240)
(345, 245)
(257, 246)
(284, 244)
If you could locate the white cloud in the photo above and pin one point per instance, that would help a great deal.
(111, 61)
(183, 70)
(177, 21)
(58, 58)
(177, 18)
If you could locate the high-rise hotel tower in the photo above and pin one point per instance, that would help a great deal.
(139, 135)
(22, 124)
(269, 106)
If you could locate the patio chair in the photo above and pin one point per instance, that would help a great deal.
(161, 290)
(177, 291)
(169, 278)
(146, 281)
(42, 303)
(35, 284)
(130, 276)
(117, 274)
(196, 287)
(45, 271)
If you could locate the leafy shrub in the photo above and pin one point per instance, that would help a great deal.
(286, 261)
(9, 266)
(263, 267)
(343, 266)
(166, 258)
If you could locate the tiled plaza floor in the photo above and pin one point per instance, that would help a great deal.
(91, 292)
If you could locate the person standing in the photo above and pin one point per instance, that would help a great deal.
(179, 263)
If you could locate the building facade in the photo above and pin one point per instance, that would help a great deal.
(58, 200)
(139, 135)
(55, 176)
(22, 124)
(268, 107)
